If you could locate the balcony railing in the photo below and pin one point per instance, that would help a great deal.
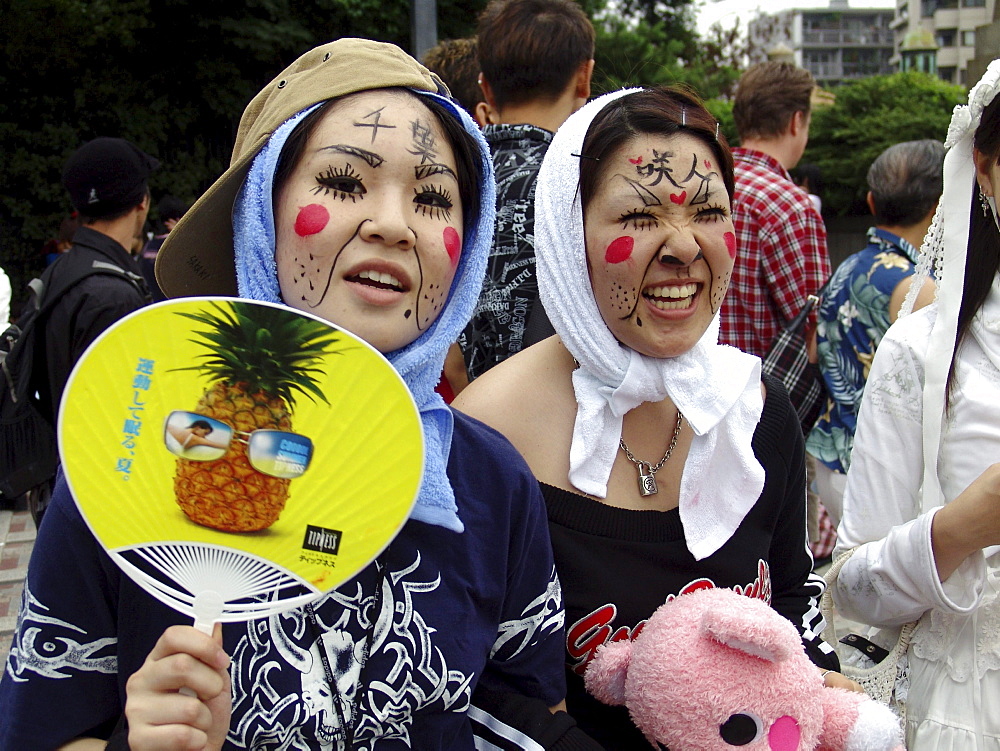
(841, 71)
(868, 38)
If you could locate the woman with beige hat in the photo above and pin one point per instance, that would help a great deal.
(360, 193)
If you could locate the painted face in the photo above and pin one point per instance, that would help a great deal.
(369, 223)
(660, 243)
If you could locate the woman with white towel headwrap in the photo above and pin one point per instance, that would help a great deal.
(667, 463)
(922, 502)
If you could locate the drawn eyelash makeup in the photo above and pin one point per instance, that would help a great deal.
(638, 220)
(343, 182)
(712, 213)
(432, 200)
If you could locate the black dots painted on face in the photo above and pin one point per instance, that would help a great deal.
(434, 299)
(407, 313)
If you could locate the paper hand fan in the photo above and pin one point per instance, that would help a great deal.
(237, 458)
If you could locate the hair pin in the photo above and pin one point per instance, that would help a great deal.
(717, 125)
(584, 156)
(683, 117)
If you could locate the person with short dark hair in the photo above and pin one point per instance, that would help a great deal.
(809, 177)
(529, 53)
(863, 299)
(107, 181)
(457, 62)
(536, 58)
(781, 240)
(169, 210)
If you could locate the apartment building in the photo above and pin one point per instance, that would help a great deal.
(837, 43)
(942, 31)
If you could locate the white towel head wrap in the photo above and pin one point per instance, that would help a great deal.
(716, 388)
(943, 254)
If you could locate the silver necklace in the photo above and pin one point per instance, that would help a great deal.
(647, 471)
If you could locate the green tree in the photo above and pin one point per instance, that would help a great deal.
(630, 54)
(676, 18)
(173, 76)
(867, 117)
(722, 110)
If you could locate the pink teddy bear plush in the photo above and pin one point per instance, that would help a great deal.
(713, 670)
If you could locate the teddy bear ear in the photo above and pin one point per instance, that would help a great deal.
(605, 676)
(751, 626)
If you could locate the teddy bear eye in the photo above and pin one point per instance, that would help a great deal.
(741, 729)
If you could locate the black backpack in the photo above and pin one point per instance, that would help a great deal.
(29, 455)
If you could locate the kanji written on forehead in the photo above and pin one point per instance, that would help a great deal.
(659, 166)
(423, 142)
(375, 124)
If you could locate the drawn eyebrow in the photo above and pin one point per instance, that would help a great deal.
(435, 168)
(374, 160)
(647, 196)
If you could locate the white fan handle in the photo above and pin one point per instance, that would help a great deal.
(207, 610)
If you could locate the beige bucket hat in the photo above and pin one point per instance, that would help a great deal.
(197, 256)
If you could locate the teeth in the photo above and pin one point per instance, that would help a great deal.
(678, 305)
(671, 297)
(381, 278)
(673, 291)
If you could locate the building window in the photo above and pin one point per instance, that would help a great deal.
(946, 37)
(947, 74)
(973, 3)
(922, 60)
(968, 38)
(927, 8)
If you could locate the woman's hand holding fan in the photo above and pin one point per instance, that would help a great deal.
(181, 697)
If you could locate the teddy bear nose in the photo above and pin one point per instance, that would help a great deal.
(784, 734)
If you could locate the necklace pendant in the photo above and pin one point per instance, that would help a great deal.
(647, 481)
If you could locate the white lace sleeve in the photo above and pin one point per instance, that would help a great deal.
(892, 578)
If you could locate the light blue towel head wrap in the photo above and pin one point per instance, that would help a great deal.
(419, 363)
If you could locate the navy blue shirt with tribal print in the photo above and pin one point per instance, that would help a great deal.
(452, 607)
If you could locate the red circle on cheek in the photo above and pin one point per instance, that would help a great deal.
(311, 219)
(619, 250)
(730, 239)
(453, 244)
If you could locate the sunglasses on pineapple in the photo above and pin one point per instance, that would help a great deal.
(203, 439)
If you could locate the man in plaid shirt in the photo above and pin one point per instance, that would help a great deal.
(781, 240)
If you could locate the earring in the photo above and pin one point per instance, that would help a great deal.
(983, 202)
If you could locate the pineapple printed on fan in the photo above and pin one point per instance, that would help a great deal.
(256, 358)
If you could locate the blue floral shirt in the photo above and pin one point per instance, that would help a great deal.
(853, 318)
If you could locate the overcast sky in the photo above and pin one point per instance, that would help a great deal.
(727, 11)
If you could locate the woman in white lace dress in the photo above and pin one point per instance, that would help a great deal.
(922, 505)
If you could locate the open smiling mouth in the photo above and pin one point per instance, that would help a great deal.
(671, 297)
(378, 280)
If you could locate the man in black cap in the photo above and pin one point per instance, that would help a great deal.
(107, 183)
